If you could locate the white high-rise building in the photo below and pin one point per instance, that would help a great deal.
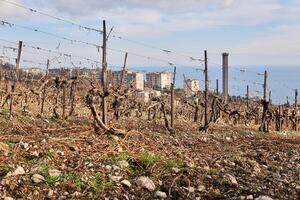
(191, 87)
(159, 80)
(130, 79)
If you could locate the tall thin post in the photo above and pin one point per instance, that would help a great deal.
(206, 91)
(64, 99)
(296, 111)
(225, 77)
(172, 97)
(265, 85)
(104, 75)
(217, 87)
(18, 60)
(247, 95)
(44, 89)
(296, 99)
(123, 70)
(16, 78)
(270, 97)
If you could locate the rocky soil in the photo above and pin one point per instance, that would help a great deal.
(50, 159)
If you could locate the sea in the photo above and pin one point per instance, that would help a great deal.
(281, 80)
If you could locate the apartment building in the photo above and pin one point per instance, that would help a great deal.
(158, 80)
(134, 79)
(191, 87)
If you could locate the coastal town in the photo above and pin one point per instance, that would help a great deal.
(146, 85)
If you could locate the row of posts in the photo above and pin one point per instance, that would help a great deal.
(225, 96)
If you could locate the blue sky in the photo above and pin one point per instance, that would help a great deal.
(256, 32)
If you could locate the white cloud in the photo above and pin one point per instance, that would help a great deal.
(8, 11)
(140, 19)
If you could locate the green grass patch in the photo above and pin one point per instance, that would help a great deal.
(148, 159)
(3, 170)
(76, 179)
(11, 143)
(53, 120)
(50, 155)
(44, 171)
(5, 111)
(51, 180)
(98, 184)
(172, 163)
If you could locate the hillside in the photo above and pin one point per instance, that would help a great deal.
(46, 159)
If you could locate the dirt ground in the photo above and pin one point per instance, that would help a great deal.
(54, 159)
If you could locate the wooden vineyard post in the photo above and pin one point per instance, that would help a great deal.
(265, 85)
(270, 97)
(217, 87)
(44, 89)
(206, 92)
(296, 99)
(72, 97)
(63, 99)
(247, 96)
(18, 60)
(123, 70)
(172, 97)
(296, 110)
(104, 75)
(264, 125)
(16, 79)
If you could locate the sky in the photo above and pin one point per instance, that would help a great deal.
(256, 32)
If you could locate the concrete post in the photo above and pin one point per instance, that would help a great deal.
(225, 77)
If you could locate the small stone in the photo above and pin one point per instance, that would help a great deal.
(126, 183)
(123, 164)
(249, 197)
(160, 194)
(54, 173)
(230, 179)
(19, 171)
(60, 153)
(175, 170)
(50, 193)
(5, 182)
(120, 149)
(115, 138)
(76, 194)
(108, 167)
(228, 139)
(37, 178)
(115, 178)
(8, 198)
(160, 183)
(216, 192)
(201, 188)
(145, 182)
(24, 145)
(4, 149)
(35, 154)
(115, 167)
(263, 198)
(191, 189)
(90, 165)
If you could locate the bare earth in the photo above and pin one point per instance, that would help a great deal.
(67, 160)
